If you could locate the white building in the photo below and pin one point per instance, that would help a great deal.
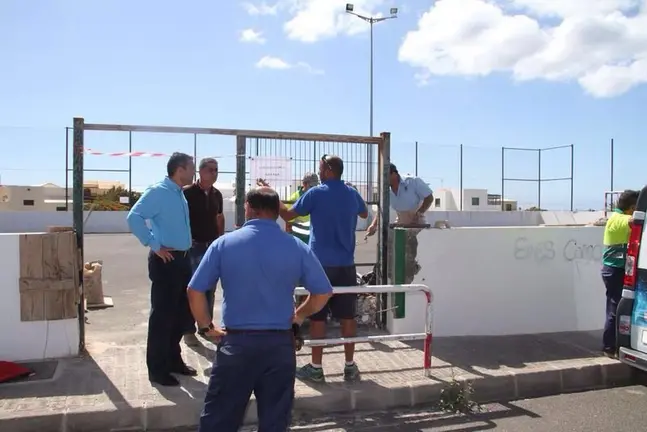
(473, 200)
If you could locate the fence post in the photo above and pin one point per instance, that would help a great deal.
(399, 269)
(77, 216)
(241, 153)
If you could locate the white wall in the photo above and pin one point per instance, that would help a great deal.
(512, 280)
(34, 340)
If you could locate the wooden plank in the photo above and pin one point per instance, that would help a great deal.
(31, 255)
(43, 285)
(54, 305)
(67, 255)
(70, 302)
(32, 306)
(51, 267)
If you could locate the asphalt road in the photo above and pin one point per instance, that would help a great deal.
(125, 279)
(617, 410)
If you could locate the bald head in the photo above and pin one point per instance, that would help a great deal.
(262, 203)
(331, 166)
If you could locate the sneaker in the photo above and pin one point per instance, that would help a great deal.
(190, 339)
(310, 373)
(351, 373)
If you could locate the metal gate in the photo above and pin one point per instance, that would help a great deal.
(304, 151)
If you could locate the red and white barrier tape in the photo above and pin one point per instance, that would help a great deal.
(136, 154)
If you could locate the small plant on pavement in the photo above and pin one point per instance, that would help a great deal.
(456, 397)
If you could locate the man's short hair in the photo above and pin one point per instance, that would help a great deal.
(627, 199)
(334, 163)
(206, 161)
(393, 169)
(176, 161)
(264, 199)
(310, 179)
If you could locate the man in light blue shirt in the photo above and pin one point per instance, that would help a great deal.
(411, 197)
(169, 237)
(258, 266)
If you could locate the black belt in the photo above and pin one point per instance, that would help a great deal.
(179, 253)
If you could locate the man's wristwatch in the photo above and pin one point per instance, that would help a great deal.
(207, 329)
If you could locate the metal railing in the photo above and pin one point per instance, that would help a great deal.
(381, 289)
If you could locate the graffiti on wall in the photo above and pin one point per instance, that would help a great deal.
(571, 250)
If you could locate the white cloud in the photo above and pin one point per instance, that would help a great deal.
(261, 8)
(252, 36)
(314, 20)
(602, 44)
(269, 62)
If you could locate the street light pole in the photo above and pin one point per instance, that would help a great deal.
(369, 147)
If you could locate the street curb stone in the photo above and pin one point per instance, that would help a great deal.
(549, 379)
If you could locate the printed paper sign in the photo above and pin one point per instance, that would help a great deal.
(277, 171)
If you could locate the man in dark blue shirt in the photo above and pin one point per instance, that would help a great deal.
(169, 269)
(258, 266)
(333, 207)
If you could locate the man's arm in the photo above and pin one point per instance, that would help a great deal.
(316, 282)
(220, 217)
(303, 206)
(362, 210)
(146, 208)
(425, 193)
(205, 278)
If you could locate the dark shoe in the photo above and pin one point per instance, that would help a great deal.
(610, 352)
(185, 370)
(164, 380)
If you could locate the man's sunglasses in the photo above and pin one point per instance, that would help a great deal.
(324, 159)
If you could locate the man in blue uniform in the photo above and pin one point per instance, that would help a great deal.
(258, 266)
(333, 207)
(169, 268)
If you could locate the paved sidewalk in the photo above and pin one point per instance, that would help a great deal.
(108, 389)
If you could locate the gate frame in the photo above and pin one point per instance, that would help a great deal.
(79, 127)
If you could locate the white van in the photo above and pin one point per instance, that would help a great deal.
(632, 308)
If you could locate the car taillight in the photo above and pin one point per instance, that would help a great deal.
(633, 246)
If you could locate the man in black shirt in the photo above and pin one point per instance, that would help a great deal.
(207, 224)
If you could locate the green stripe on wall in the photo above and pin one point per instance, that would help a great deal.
(399, 258)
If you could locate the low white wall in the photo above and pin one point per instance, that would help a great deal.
(502, 281)
(35, 340)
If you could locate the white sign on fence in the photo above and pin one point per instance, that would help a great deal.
(275, 170)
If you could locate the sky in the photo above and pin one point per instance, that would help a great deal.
(485, 74)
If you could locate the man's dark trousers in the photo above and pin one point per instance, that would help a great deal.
(169, 309)
(260, 362)
(196, 253)
(613, 278)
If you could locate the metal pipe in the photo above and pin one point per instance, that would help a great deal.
(461, 175)
(572, 172)
(502, 178)
(67, 168)
(350, 139)
(416, 158)
(539, 179)
(612, 163)
(130, 169)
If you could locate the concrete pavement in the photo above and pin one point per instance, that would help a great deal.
(619, 410)
(108, 388)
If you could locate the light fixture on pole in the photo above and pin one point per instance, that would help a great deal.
(371, 20)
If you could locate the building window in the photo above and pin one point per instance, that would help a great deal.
(508, 207)
(475, 201)
(28, 202)
(437, 202)
(61, 208)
